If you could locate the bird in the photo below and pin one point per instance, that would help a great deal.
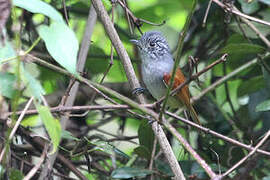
(156, 67)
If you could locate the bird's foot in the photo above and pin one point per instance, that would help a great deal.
(138, 91)
(157, 106)
(151, 120)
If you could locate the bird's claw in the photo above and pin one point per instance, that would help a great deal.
(150, 121)
(138, 91)
(157, 106)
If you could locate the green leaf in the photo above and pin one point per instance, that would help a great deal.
(15, 174)
(143, 152)
(249, 7)
(37, 6)
(108, 148)
(163, 167)
(264, 30)
(264, 106)
(67, 135)
(250, 86)
(97, 64)
(146, 135)
(130, 172)
(61, 43)
(6, 51)
(34, 87)
(239, 48)
(7, 84)
(266, 74)
(52, 125)
(31, 121)
(236, 38)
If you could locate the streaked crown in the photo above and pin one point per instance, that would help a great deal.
(152, 44)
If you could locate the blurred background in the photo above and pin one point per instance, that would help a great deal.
(237, 108)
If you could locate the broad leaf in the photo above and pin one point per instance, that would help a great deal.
(61, 43)
(143, 152)
(250, 86)
(146, 135)
(264, 106)
(7, 84)
(37, 6)
(6, 51)
(67, 135)
(249, 7)
(264, 30)
(243, 48)
(52, 125)
(33, 86)
(130, 172)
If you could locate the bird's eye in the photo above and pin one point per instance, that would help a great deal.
(152, 44)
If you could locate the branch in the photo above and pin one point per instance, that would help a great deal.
(37, 166)
(181, 39)
(16, 127)
(158, 131)
(39, 145)
(134, 83)
(78, 108)
(74, 86)
(258, 33)
(237, 12)
(223, 79)
(206, 130)
(187, 81)
(188, 147)
(247, 156)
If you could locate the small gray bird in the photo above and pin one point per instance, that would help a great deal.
(157, 66)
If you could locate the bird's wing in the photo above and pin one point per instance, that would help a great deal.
(183, 94)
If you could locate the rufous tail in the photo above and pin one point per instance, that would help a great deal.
(194, 114)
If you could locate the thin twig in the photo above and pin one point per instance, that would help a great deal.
(65, 11)
(237, 12)
(16, 126)
(194, 154)
(74, 86)
(247, 156)
(138, 21)
(187, 81)
(206, 130)
(181, 39)
(79, 108)
(153, 157)
(258, 33)
(134, 83)
(206, 13)
(228, 97)
(223, 79)
(37, 166)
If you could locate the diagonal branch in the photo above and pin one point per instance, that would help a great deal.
(247, 156)
(74, 86)
(237, 12)
(110, 30)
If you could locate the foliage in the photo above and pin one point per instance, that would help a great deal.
(41, 43)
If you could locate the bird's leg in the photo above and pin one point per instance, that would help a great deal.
(139, 90)
(151, 120)
(157, 106)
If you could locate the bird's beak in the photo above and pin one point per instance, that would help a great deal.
(136, 42)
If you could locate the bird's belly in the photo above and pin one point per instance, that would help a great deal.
(155, 85)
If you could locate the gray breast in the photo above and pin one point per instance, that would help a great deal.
(152, 74)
